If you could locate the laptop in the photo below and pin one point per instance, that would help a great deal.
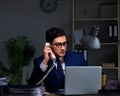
(82, 80)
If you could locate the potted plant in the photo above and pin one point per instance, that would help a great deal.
(20, 53)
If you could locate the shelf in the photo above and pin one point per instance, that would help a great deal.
(109, 44)
(81, 46)
(104, 19)
(110, 68)
(105, 14)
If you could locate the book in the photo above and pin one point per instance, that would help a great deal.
(115, 31)
(110, 31)
(108, 64)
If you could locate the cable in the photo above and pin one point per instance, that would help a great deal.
(47, 73)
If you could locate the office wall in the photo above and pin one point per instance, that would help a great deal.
(25, 17)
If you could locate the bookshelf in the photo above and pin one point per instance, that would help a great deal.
(105, 14)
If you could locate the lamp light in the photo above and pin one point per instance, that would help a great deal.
(91, 40)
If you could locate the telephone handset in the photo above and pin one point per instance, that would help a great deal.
(53, 57)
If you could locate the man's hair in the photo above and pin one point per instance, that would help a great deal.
(53, 33)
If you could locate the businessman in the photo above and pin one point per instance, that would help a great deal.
(55, 53)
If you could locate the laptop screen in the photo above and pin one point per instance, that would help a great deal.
(82, 79)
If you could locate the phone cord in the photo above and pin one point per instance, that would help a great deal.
(46, 73)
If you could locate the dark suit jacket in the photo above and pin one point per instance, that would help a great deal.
(52, 81)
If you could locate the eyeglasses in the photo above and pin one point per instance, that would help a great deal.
(59, 45)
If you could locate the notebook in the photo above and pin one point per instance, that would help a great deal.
(82, 80)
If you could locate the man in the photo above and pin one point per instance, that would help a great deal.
(57, 47)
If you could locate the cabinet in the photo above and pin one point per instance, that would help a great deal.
(105, 14)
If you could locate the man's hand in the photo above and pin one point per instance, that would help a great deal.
(47, 53)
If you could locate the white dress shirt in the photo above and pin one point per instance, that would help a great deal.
(44, 67)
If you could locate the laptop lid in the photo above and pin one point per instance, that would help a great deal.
(82, 80)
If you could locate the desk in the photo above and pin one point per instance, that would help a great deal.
(102, 93)
(5, 92)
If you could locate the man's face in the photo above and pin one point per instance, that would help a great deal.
(59, 46)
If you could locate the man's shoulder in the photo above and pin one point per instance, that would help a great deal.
(75, 59)
(73, 53)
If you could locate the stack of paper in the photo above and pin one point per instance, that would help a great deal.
(4, 81)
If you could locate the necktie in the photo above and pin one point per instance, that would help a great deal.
(60, 73)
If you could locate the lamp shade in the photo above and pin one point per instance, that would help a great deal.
(91, 40)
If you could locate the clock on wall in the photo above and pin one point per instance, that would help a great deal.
(48, 5)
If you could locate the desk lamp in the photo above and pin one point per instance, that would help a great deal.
(91, 40)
